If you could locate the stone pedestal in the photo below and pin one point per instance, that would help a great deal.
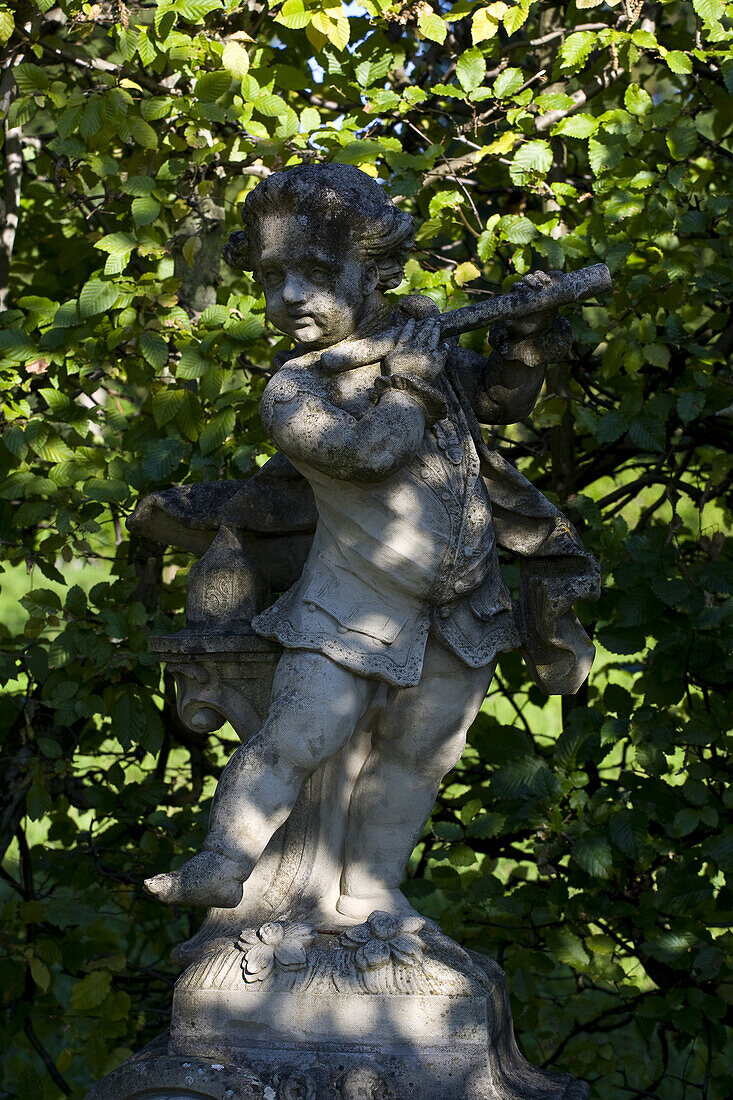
(386, 1010)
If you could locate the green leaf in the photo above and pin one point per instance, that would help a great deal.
(709, 10)
(118, 245)
(13, 439)
(138, 185)
(515, 17)
(293, 15)
(471, 69)
(648, 433)
(195, 11)
(431, 25)
(160, 459)
(593, 854)
(508, 82)
(166, 405)
(145, 48)
(534, 156)
(682, 139)
(678, 62)
(235, 59)
(107, 490)
(568, 948)
(154, 349)
(515, 228)
(217, 430)
(145, 210)
(16, 346)
(603, 155)
(465, 273)
(214, 316)
(576, 49)
(40, 973)
(577, 125)
(212, 86)
(97, 296)
(191, 364)
(484, 25)
(91, 991)
(7, 25)
(689, 406)
(143, 132)
(271, 106)
(190, 417)
(30, 78)
(636, 100)
(628, 832)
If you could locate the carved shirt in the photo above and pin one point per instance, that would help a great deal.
(395, 556)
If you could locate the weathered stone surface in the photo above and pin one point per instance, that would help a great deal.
(380, 522)
(288, 1013)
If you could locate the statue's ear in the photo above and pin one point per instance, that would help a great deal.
(370, 277)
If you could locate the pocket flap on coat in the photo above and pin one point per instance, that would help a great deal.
(382, 623)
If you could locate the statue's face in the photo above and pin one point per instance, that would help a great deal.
(316, 287)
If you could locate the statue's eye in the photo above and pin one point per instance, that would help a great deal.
(319, 275)
(271, 277)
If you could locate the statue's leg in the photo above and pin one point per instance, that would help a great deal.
(314, 708)
(419, 738)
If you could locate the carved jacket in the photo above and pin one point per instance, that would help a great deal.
(395, 608)
(406, 539)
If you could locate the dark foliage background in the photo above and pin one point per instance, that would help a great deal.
(587, 846)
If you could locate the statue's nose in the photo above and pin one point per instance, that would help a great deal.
(294, 289)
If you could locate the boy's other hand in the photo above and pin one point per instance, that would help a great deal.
(534, 324)
(418, 351)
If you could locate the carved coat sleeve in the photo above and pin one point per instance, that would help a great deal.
(310, 429)
(504, 388)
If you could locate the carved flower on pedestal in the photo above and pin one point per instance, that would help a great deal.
(296, 1087)
(385, 937)
(272, 945)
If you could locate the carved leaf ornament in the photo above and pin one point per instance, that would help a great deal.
(275, 944)
(382, 938)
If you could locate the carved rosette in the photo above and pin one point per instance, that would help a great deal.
(274, 945)
(384, 939)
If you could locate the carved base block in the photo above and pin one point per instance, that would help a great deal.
(382, 1011)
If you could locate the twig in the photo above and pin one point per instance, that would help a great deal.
(46, 1058)
(598, 84)
(99, 64)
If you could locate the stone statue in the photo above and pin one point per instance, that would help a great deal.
(379, 521)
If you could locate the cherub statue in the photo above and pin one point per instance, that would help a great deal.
(401, 609)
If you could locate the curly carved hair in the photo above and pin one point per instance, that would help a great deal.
(341, 201)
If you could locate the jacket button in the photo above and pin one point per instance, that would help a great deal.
(445, 496)
(311, 606)
(444, 612)
(460, 586)
(342, 629)
(425, 471)
(468, 551)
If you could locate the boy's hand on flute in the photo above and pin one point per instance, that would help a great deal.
(418, 351)
(534, 324)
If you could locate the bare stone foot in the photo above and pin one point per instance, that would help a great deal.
(356, 909)
(208, 878)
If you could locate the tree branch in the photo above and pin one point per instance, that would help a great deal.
(46, 1058)
(13, 155)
